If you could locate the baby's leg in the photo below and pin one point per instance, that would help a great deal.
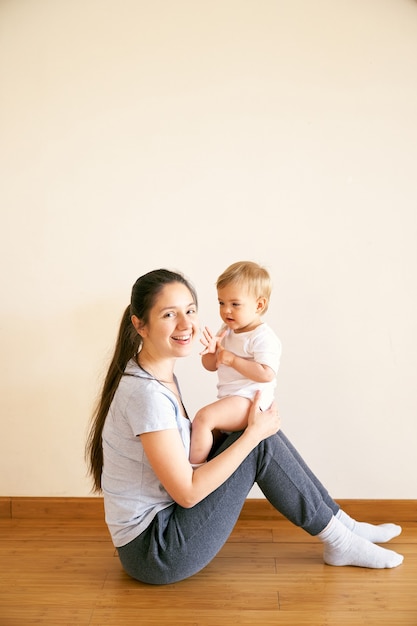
(230, 413)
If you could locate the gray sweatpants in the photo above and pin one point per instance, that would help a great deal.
(180, 542)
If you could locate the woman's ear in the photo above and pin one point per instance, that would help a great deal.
(138, 325)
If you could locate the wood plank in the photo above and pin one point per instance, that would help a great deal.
(157, 617)
(379, 511)
(44, 614)
(362, 509)
(253, 509)
(5, 507)
(57, 508)
(49, 529)
(62, 548)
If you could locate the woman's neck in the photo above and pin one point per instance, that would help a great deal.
(163, 372)
(159, 369)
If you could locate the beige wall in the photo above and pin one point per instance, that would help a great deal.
(191, 134)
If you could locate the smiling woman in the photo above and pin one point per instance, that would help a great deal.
(172, 325)
(167, 518)
(169, 333)
(149, 305)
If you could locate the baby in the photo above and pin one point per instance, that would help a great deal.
(245, 353)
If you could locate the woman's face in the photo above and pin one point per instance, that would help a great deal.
(172, 325)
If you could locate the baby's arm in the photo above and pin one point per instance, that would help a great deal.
(249, 369)
(209, 361)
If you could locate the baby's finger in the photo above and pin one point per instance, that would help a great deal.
(207, 333)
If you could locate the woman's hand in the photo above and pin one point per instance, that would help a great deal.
(262, 424)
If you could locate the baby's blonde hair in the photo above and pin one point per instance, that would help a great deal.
(249, 274)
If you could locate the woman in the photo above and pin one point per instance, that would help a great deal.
(167, 519)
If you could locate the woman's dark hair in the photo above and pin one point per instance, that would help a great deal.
(144, 293)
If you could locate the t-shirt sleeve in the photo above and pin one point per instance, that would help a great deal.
(150, 411)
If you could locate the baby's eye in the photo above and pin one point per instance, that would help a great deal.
(236, 304)
(221, 303)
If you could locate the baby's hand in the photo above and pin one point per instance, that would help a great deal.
(210, 342)
(224, 357)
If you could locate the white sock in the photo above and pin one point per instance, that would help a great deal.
(379, 533)
(343, 547)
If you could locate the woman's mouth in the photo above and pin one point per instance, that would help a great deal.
(182, 338)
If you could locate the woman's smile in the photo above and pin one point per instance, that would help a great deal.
(183, 338)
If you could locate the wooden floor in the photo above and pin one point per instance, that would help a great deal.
(58, 571)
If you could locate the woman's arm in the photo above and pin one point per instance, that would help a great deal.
(166, 454)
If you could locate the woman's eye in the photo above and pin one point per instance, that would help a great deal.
(191, 311)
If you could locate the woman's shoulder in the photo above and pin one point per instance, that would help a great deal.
(138, 388)
(143, 402)
(133, 369)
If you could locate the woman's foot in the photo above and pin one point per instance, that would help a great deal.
(343, 547)
(377, 533)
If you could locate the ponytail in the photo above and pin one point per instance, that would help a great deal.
(144, 293)
(127, 346)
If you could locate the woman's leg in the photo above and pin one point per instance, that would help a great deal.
(180, 542)
(324, 493)
(377, 533)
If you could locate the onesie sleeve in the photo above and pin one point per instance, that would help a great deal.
(266, 349)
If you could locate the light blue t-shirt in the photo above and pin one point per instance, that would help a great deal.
(133, 495)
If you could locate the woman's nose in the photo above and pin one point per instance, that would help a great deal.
(183, 321)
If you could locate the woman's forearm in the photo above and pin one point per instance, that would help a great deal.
(209, 476)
